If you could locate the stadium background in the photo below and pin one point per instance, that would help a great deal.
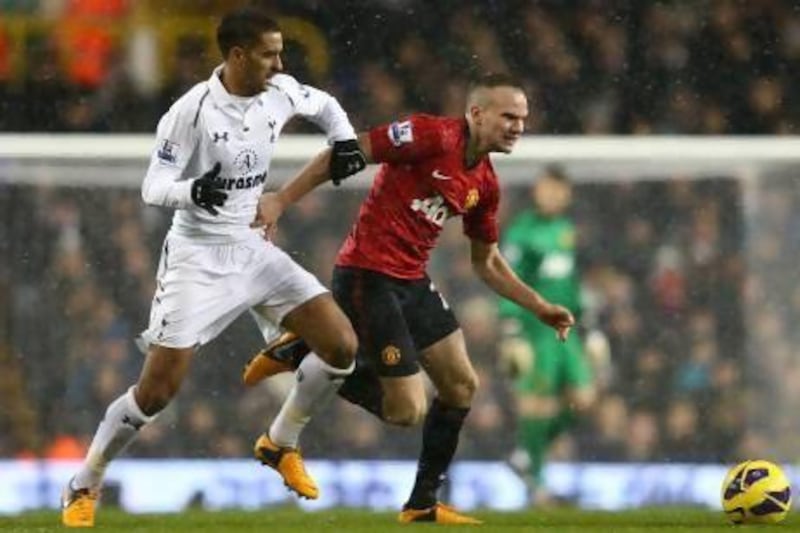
(696, 375)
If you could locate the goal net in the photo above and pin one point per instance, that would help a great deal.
(688, 250)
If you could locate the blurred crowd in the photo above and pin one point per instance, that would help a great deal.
(772, 301)
(693, 67)
(664, 275)
(681, 277)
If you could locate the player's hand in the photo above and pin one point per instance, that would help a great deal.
(346, 159)
(557, 317)
(206, 191)
(269, 210)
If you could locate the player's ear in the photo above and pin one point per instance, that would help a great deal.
(476, 114)
(236, 54)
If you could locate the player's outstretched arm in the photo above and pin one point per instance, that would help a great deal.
(493, 269)
(316, 172)
(167, 182)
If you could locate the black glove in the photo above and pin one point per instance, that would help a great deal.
(206, 191)
(346, 159)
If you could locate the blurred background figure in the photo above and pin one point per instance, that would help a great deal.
(553, 379)
(690, 273)
(576, 59)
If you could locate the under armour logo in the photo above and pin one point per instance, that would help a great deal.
(221, 136)
(135, 424)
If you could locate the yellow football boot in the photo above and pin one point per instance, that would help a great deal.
(77, 506)
(439, 513)
(283, 354)
(289, 464)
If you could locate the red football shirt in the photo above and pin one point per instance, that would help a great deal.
(422, 182)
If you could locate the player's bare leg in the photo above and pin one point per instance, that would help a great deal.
(448, 365)
(456, 381)
(404, 400)
(159, 381)
(399, 401)
(333, 343)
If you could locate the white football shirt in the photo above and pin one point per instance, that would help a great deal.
(209, 125)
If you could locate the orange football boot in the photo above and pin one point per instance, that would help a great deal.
(78, 506)
(284, 354)
(439, 513)
(289, 464)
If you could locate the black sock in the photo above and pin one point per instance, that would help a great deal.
(363, 388)
(439, 441)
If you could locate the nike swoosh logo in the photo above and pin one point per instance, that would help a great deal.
(439, 176)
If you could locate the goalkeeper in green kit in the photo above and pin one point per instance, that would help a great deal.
(553, 379)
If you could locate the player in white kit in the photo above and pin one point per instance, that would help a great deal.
(210, 164)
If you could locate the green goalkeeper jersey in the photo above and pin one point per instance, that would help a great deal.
(542, 253)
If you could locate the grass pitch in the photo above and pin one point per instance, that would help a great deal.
(347, 521)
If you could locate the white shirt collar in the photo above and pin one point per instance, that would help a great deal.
(220, 94)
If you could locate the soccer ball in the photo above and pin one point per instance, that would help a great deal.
(756, 492)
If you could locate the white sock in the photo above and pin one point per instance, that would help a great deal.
(121, 423)
(315, 384)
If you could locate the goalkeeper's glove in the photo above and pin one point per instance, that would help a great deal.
(206, 191)
(517, 357)
(346, 160)
(598, 352)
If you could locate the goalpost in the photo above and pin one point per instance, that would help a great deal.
(117, 160)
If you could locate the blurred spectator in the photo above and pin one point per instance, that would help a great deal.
(18, 419)
(90, 253)
(190, 68)
(683, 441)
(87, 41)
(643, 436)
(690, 318)
(44, 91)
(64, 447)
(663, 67)
(603, 438)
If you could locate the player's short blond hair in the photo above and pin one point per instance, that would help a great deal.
(476, 94)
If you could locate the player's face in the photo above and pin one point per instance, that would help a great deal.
(503, 119)
(262, 60)
(551, 196)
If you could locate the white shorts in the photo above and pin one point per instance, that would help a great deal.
(202, 288)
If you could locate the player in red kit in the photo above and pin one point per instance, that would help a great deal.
(433, 168)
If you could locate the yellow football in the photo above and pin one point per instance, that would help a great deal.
(756, 492)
